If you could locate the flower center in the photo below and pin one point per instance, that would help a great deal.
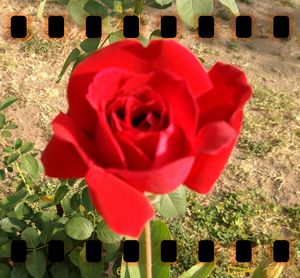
(144, 111)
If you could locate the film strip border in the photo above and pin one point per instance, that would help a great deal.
(281, 251)
(168, 26)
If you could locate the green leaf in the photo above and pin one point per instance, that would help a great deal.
(29, 164)
(105, 234)
(111, 250)
(41, 218)
(6, 133)
(19, 271)
(268, 269)
(231, 4)
(36, 264)
(12, 224)
(190, 10)
(12, 200)
(4, 271)
(138, 7)
(88, 269)
(95, 8)
(11, 126)
(12, 158)
(144, 41)
(31, 236)
(75, 201)
(74, 256)
(80, 59)
(77, 12)
(2, 120)
(90, 44)
(7, 102)
(153, 4)
(5, 250)
(116, 36)
(26, 147)
(71, 58)
(68, 242)
(159, 232)
(79, 228)
(60, 193)
(59, 270)
(86, 200)
(108, 3)
(163, 2)
(66, 204)
(48, 230)
(18, 143)
(172, 204)
(155, 34)
(3, 237)
(202, 270)
(22, 209)
(8, 149)
(2, 175)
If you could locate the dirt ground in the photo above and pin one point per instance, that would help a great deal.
(28, 69)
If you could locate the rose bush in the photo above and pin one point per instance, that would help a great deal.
(145, 119)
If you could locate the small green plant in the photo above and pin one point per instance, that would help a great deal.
(233, 45)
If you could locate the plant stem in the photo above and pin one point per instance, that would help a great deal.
(23, 179)
(148, 251)
(107, 37)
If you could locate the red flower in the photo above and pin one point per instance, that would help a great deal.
(145, 120)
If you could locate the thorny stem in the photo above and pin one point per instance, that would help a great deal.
(107, 37)
(148, 251)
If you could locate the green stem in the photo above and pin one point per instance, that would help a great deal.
(23, 179)
(148, 251)
(107, 37)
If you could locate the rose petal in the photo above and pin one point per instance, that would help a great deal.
(207, 168)
(224, 102)
(172, 145)
(78, 104)
(214, 137)
(123, 208)
(158, 181)
(65, 129)
(135, 158)
(61, 160)
(229, 93)
(131, 55)
(108, 149)
(105, 86)
(183, 109)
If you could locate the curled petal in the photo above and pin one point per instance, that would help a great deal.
(230, 92)
(223, 103)
(214, 137)
(125, 209)
(61, 160)
(208, 167)
(159, 181)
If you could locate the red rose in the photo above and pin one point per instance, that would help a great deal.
(145, 120)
